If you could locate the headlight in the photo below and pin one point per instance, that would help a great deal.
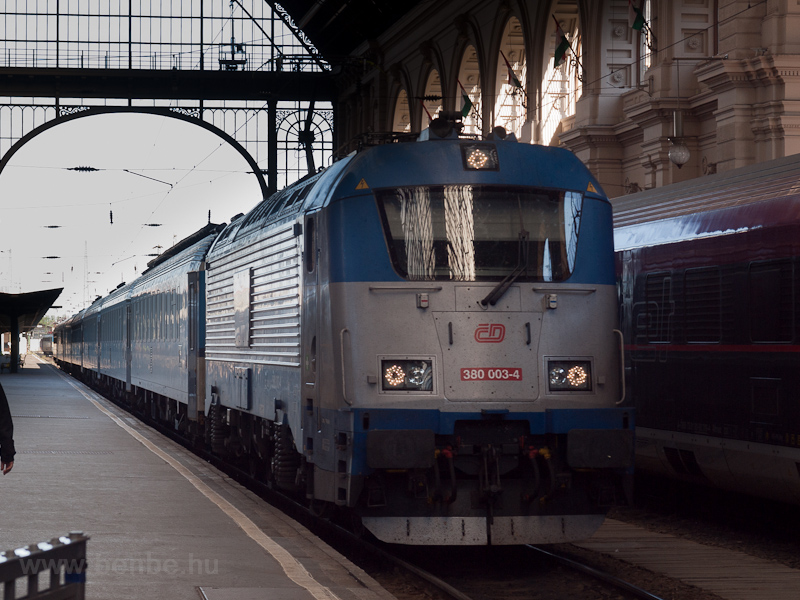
(563, 375)
(480, 157)
(407, 375)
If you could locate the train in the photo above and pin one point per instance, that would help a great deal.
(46, 344)
(423, 337)
(709, 275)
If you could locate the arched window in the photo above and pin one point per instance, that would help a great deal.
(561, 86)
(433, 98)
(510, 109)
(469, 91)
(402, 115)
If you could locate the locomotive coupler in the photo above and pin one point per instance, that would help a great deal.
(450, 496)
(418, 484)
(531, 484)
(491, 488)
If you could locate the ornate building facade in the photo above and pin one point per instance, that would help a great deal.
(696, 87)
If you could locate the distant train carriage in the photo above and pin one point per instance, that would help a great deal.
(709, 275)
(424, 334)
(68, 337)
(114, 356)
(46, 344)
(90, 338)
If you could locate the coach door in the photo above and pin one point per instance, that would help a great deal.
(193, 367)
(127, 344)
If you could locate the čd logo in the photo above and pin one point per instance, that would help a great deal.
(490, 333)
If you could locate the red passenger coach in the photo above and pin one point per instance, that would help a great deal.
(709, 276)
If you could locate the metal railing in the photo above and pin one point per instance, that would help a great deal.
(217, 57)
(64, 558)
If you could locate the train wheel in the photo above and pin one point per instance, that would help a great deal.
(318, 508)
(218, 430)
(286, 460)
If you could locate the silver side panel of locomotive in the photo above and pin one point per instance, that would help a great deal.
(255, 290)
(253, 294)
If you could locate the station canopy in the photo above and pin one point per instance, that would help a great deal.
(337, 27)
(27, 309)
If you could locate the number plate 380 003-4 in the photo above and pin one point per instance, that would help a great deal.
(491, 374)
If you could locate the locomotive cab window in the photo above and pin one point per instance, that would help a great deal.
(481, 233)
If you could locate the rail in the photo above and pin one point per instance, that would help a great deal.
(586, 569)
(63, 557)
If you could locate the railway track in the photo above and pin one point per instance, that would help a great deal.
(535, 574)
(511, 573)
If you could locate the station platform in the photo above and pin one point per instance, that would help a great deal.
(726, 573)
(162, 523)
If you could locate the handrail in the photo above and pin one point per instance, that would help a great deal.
(621, 364)
(405, 288)
(561, 290)
(344, 375)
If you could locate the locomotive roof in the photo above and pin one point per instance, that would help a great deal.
(396, 160)
(739, 187)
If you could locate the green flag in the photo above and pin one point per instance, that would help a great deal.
(467, 105)
(635, 16)
(562, 45)
(512, 78)
(465, 110)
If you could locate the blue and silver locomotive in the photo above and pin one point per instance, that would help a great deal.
(425, 334)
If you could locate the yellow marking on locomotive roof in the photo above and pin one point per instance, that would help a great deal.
(362, 185)
(591, 188)
(291, 566)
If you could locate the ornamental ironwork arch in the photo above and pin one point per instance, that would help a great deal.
(232, 65)
(179, 114)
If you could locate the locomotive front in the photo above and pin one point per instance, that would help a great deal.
(461, 382)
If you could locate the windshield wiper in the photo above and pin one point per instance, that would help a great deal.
(522, 266)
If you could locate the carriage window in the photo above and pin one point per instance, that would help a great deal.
(771, 301)
(660, 308)
(481, 233)
(703, 300)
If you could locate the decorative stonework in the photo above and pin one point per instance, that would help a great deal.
(426, 51)
(694, 43)
(620, 76)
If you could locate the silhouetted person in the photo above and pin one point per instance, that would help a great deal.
(6, 435)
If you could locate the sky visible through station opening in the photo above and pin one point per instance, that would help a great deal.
(157, 178)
